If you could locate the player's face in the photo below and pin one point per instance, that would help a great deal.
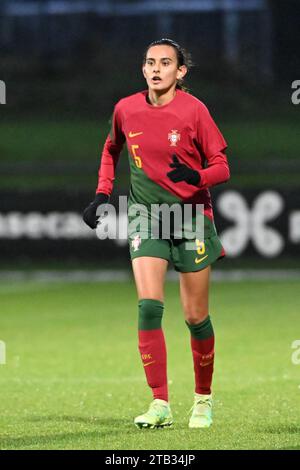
(161, 69)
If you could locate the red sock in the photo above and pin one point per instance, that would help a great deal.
(203, 356)
(153, 351)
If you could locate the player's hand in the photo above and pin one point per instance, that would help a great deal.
(89, 215)
(182, 172)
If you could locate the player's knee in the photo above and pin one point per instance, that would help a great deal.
(195, 315)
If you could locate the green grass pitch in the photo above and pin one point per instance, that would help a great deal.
(73, 377)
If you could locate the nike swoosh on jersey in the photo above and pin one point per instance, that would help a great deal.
(198, 260)
(134, 134)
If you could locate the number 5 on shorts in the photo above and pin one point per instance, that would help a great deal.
(200, 247)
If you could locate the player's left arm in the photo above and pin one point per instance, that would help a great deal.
(216, 172)
(213, 147)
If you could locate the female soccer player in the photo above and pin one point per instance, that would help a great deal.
(176, 152)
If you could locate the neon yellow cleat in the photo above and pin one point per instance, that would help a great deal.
(159, 415)
(201, 412)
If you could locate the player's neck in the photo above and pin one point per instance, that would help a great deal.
(160, 99)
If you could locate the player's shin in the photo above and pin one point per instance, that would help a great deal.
(152, 346)
(202, 345)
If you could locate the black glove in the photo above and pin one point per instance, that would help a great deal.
(89, 214)
(183, 173)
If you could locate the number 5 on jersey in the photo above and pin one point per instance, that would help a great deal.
(137, 159)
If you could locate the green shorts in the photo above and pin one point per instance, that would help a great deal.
(188, 254)
(191, 252)
(202, 254)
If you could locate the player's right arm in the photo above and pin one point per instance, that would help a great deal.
(106, 174)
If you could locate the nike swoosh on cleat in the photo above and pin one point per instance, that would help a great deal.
(198, 260)
(134, 134)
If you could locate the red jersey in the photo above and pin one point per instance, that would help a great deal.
(153, 135)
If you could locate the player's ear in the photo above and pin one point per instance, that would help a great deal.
(144, 73)
(181, 72)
